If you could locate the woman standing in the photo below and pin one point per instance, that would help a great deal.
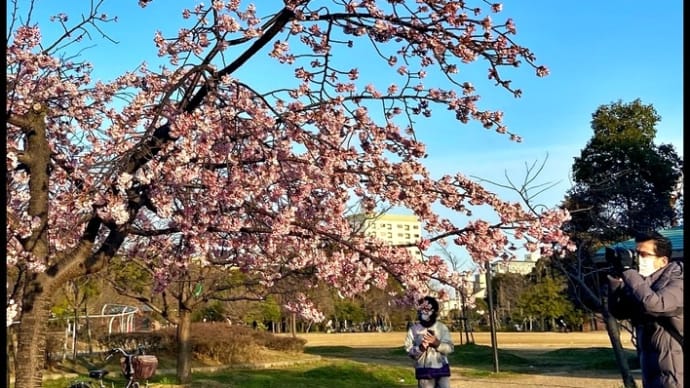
(428, 343)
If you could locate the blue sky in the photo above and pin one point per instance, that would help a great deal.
(597, 51)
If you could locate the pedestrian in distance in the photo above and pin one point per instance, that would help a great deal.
(646, 287)
(428, 343)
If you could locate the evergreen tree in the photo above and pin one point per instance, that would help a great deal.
(624, 183)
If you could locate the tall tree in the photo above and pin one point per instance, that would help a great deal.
(545, 300)
(190, 290)
(189, 161)
(624, 183)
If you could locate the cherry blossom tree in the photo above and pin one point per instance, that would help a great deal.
(190, 161)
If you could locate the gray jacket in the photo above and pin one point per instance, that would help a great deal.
(429, 358)
(654, 306)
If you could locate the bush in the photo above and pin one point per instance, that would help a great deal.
(151, 341)
(287, 344)
(226, 344)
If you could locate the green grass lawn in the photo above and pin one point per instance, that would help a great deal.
(342, 366)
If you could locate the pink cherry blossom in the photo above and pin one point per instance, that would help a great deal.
(189, 161)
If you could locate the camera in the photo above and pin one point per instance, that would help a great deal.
(614, 257)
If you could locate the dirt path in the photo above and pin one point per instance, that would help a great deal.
(510, 340)
(520, 340)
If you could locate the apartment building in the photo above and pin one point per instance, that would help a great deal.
(522, 267)
(395, 229)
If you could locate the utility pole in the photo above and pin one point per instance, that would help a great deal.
(492, 324)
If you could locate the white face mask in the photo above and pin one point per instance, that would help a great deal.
(425, 316)
(646, 266)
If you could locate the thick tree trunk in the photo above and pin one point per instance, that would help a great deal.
(36, 302)
(32, 340)
(184, 347)
(621, 361)
(10, 352)
(293, 325)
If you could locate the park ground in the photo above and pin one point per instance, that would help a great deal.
(517, 341)
(365, 348)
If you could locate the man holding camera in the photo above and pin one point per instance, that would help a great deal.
(646, 286)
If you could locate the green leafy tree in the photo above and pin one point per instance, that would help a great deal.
(544, 301)
(214, 311)
(196, 290)
(349, 310)
(267, 310)
(624, 183)
(507, 288)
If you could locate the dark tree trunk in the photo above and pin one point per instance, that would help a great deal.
(293, 325)
(31, 344)
(10, 353)
(465, 327)
(88, 328)
(621, 361)
(184, 347)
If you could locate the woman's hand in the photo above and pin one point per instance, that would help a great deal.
(430, 340)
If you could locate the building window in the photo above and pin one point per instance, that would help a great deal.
(390, 235)
(407, 227)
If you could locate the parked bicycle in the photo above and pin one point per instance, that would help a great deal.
(134, 367)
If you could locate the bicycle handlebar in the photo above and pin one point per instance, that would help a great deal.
(114, 351)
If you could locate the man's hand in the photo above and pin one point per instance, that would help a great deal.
(621, 259)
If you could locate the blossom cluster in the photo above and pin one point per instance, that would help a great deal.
(187, 162)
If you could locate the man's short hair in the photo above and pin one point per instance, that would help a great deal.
(662, 245)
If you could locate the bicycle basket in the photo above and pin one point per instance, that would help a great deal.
(144, 366)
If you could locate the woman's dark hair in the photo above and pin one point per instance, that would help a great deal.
(432, 301)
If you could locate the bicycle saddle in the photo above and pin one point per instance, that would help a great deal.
(97, 373)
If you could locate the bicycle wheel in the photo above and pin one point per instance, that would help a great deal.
(80, 384)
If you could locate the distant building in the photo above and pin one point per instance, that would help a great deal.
(455, 302)
(395, 229)
(521, 267)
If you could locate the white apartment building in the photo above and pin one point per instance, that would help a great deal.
(396, 229)
(522, 267)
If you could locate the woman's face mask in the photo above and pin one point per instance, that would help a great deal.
(424, 316)
(647, 266)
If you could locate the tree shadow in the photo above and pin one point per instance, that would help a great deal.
(592, 362)
(336, 375)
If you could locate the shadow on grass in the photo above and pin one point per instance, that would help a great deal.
(478, 360)
(327, 374)
(343, 366)
(324, 373)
